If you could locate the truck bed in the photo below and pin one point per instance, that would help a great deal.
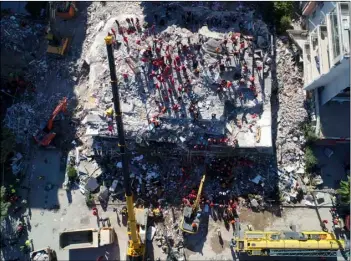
(79, 239)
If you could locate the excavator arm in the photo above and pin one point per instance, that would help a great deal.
(62, 107)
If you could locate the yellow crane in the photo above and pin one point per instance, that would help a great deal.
(137, 216)
(288, 243)
(192, 214)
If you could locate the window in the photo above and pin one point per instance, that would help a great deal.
(335, 33)
(345, 28)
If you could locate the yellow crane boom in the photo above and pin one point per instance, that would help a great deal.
(136, 244)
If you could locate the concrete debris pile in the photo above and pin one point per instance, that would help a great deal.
(169, 233)
(22, 38)
(203, 89)
(291, 114)
(20, 34)
(26, 117)
(243, 176)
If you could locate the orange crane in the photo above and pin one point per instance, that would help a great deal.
(44, 136)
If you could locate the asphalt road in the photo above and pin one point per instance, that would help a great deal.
(73, 213)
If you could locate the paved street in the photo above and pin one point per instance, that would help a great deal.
(47, 224)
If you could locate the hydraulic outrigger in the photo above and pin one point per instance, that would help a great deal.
(192, 214)
(136, 242)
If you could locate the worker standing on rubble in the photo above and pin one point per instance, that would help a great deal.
(109, 113)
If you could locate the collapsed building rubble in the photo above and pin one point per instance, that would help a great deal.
(292, 113)
(176, 84)
(200, 89)
(210, 90)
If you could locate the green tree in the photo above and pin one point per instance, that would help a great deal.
(283, 12)
(344, 190)
(283, 8)
(4, 206)
(285, 23)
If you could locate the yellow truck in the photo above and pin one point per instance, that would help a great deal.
(86, 238)
(288, 243)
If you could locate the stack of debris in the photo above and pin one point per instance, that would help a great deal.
(173, 90)
(26, 117)
(292, 112)
(20, 34)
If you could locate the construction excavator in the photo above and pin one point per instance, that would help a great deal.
(137, 215)
(44, 136)
(288, 243)
(190, 221)
(57, 45)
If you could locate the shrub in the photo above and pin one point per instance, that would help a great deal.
(309, 133)
(284, 24)
(344, 191)
(310, 159)
(89, 199)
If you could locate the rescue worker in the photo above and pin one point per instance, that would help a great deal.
(109, 113)
(28, 244)
(194, 226)
(124, 211)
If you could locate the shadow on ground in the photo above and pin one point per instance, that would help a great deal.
(49, 165)
(332, 169)
(110, 252)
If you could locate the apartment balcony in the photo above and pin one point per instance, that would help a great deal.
(326, 55)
